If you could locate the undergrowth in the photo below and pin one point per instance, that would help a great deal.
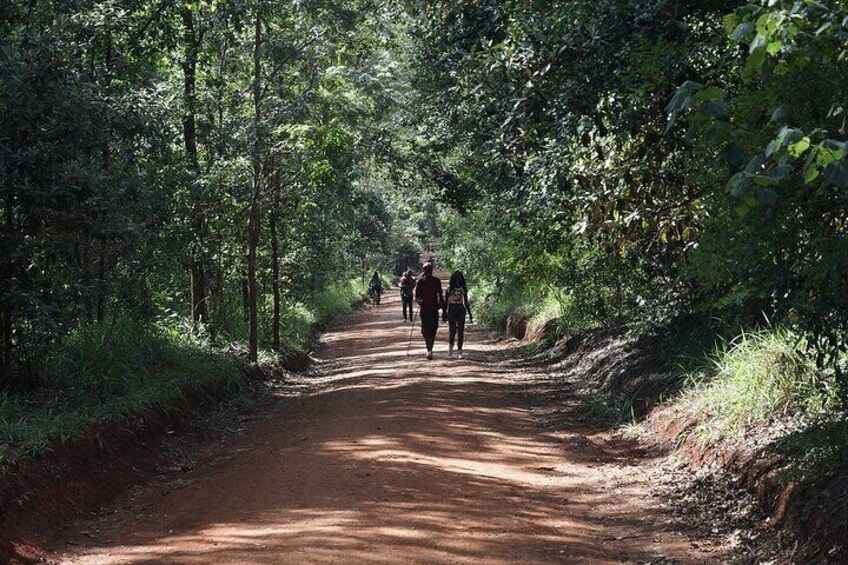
(540, 307)
(107, 372)
(336, 301)
(754, 380)
(764, 393)
(113, 370)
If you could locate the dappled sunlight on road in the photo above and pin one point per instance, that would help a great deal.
(392, 459)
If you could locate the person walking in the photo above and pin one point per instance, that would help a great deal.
(430, 299)
(407, 287)
(375, 287)
(456, 308)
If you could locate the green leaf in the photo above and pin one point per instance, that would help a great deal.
(683, 94)
(812, 173)
(730, 21)
(824, 28)
(681, 100)
(755, 164)
(755, 61)
(739, 185)
(778, 115)
(798, 148)
(837, 174)
(788, 137)
(763, 180)
(742, 32)
(707, 94)
(829, 151)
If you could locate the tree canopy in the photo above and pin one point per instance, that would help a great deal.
(639, 160)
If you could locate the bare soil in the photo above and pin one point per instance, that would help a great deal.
(378, 456)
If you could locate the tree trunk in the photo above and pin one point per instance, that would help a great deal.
(6, 381)
(198, 272)
(100, 261)
(275, 272)
(8, 312)
(101, 285)
(253, 228)
(216, 295)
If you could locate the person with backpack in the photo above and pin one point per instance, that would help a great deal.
(375, 287)
(430, 299)
(407, 287)
(457, 306)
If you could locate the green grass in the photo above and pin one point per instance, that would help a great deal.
(547, 309)
(763, 393)
(496, 313)
(296, 327)
(538, 306)
(336, 301)
(113, 370)
(109, 372)
(754, 380)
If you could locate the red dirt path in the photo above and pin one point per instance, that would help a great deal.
(391, 459)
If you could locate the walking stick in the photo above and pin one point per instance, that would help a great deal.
(411, 329)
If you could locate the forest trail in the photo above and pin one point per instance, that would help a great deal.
(390, 459)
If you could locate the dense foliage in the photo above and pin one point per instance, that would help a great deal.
(648, 159)
(183, 182)
(629, 161)
(205, 159)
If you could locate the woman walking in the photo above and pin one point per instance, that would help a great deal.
(456, 308)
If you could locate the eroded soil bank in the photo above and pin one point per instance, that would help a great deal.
(758, 496)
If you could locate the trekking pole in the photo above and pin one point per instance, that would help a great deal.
(411, 329)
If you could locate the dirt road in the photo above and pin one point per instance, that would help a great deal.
(392, 459)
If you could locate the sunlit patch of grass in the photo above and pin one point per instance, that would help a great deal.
(754, 380)
(297, 324)
(333, 302)
(109, 372)
(547, 307)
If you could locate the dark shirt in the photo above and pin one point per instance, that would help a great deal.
(428, 293)
(457, 310)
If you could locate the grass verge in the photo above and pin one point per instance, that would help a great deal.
(334, 302)
(755, 380)
(109, 372)
(115, 370)
(764, 411)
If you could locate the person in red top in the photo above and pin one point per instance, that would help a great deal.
(428, 294)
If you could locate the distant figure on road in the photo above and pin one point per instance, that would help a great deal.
(375, 287)
(457, 306)
(407, 287)
(428, 294)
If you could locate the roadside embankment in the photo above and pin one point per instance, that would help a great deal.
(754, 417)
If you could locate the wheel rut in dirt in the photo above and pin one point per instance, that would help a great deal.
(389, 458)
